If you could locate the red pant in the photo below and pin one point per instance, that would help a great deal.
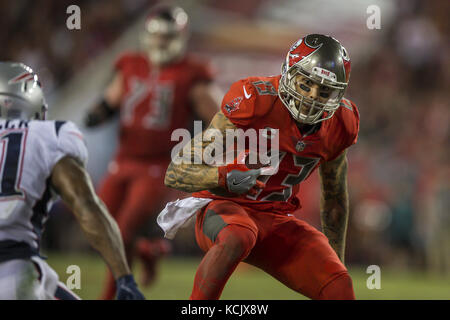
(134, 192)
(287, 248)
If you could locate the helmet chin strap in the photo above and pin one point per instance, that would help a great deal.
(44, 110)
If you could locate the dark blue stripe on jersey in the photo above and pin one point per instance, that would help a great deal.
(6, 125)
(11, 249)
(23, 124)
(58, 125)
(40, 212)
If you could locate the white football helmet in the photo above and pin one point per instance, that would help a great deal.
(21, 95)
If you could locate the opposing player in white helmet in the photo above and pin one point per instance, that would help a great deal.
(41, 160)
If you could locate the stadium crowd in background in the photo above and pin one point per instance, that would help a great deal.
(36, 34)
(400, 170)
(400, 189)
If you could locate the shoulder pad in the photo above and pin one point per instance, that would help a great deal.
(200, 68)
(70, 141)
(126, 58)
(348, 116)
(249, 99)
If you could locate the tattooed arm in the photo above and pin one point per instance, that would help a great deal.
(334, 202)
(196, 175)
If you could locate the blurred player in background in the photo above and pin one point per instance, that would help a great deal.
(155, 92)
(250, 216)
(40, 160)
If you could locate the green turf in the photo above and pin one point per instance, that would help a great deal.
(176, 277)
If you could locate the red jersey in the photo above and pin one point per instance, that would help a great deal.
(154, 103)
(254, 103)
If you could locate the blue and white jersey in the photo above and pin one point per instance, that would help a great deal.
(28, 152)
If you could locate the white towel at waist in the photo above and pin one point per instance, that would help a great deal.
(177, 214)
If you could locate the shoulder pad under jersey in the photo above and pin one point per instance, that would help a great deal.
(249, 99)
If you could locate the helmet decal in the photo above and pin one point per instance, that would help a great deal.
(23, 77)
(313, 41)
(299, 52)
(346, 59)
(345, 55)
(296, 44)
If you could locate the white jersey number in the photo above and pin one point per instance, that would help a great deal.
(159, 106)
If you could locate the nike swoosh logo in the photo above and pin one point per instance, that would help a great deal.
(247, 96)
(234, 183)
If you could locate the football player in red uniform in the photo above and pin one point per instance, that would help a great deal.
(155, 92)
(253, 220)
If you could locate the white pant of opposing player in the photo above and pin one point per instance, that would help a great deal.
(31, 279)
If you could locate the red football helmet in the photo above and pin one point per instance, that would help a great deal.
(166, 33)
(314, 60)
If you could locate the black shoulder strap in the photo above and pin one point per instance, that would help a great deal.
(58, 125)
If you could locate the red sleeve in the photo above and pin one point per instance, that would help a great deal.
(203, 72)
(199, 69)
(347, 131)
(121, 61)
(243, 105)
(353, 127)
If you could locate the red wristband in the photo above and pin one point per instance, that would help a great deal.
(223, 176)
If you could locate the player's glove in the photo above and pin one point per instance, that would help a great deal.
(91, 120)
(127, 289)
(239, 179)
(99, 114)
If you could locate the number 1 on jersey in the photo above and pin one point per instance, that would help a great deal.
(11, 163)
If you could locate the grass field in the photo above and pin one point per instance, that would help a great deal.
(176, 278)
